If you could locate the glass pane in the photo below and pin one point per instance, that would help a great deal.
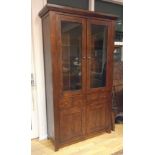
(118, 54)
(71, 38)
(98, 56)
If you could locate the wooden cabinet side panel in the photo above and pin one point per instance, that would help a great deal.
(48, 76)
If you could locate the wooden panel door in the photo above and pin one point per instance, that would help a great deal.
(71, 45)
(95, 117)
(71, 124)
(99, 73)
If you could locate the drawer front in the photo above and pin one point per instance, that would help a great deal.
(68, 102)
(98, 97)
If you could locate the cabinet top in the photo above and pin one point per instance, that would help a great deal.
(64, 9)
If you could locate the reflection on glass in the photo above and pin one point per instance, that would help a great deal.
(71, 38)
(118, 54)
(98, 56)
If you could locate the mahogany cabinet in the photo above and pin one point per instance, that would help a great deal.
(78, 55)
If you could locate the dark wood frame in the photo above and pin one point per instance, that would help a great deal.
(82, 22)
(108, 67)
(79, 103)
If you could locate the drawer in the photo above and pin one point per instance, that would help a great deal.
(66, 102)
(105, 95)
(71, 102)
(91, 97)
(98, 96)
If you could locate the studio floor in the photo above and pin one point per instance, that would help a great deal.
(105, 144)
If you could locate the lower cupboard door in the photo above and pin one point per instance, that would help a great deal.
(71, 124)
(95, 118)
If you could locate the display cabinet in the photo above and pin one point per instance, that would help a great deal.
(78, 55)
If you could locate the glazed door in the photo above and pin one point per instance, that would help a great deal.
(99, 72)
(71, 43)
